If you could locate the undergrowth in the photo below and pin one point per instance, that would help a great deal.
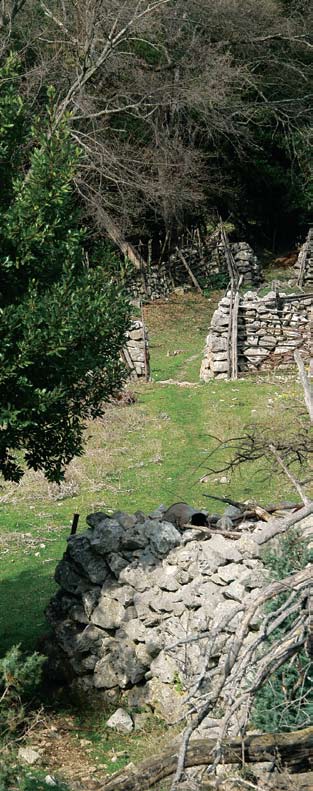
(285, 702)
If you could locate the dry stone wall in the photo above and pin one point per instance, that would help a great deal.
(270, 328)
(131, 586)
(136, 351)
(204, 261)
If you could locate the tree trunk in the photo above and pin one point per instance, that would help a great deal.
(292, 749)
(116, 235)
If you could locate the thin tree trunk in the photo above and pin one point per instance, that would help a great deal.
(116, 235)
(190, 273)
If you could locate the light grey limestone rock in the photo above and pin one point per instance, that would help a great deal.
(225, 523)
(219, 366)
(235, 590)
(165, 577)
(164, 667)
(247, 547)
(229, 613)
(258, 578)
(232, 571)
(164, 700)
(28, 755)
(219, 320)
(217, 343)
(184, 556)
(155, 640)
(135, 630)
(142, 601)
(225, 548)
(162, 536)
(135, 576)
(121, 721)
(122, 593)
(109, 613)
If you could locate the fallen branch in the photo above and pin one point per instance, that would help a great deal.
(287, 748)
(233, 672)
(275, 527)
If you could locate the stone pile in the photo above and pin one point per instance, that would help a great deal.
(133, 585)
(304, 263)
(270, 328)
(247, 263)
(136, 351)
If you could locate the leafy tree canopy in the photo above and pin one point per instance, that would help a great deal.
(62, 320)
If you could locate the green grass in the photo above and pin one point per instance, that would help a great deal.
(137, 456)
(155, 450)
(114, 750)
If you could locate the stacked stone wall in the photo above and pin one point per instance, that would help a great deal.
(204, 261)
(131, 586)
(270, 328)
(136, 352)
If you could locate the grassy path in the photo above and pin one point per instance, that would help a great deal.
(136, 457)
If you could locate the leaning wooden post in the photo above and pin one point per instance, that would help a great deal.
(145, 345)
(234, 332)
(229, 334)
(74, 524)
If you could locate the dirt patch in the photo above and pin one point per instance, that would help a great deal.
(64, 755)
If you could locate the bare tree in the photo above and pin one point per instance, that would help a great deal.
(158, 89)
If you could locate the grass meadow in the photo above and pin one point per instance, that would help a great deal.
(155, 450)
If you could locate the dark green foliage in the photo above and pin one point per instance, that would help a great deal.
(62, 317)
(19, 677)
(218, 281)
(14, 777)
(285, 702)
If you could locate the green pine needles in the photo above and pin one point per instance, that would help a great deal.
(19, 677)
(63, 317)
(285, 702)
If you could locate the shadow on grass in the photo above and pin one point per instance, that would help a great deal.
(23, 599)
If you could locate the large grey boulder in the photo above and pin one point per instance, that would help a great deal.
(91, 565)
(121, 721)
(162, 536)
(109, 614)
(106, 536)
(122, 664)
